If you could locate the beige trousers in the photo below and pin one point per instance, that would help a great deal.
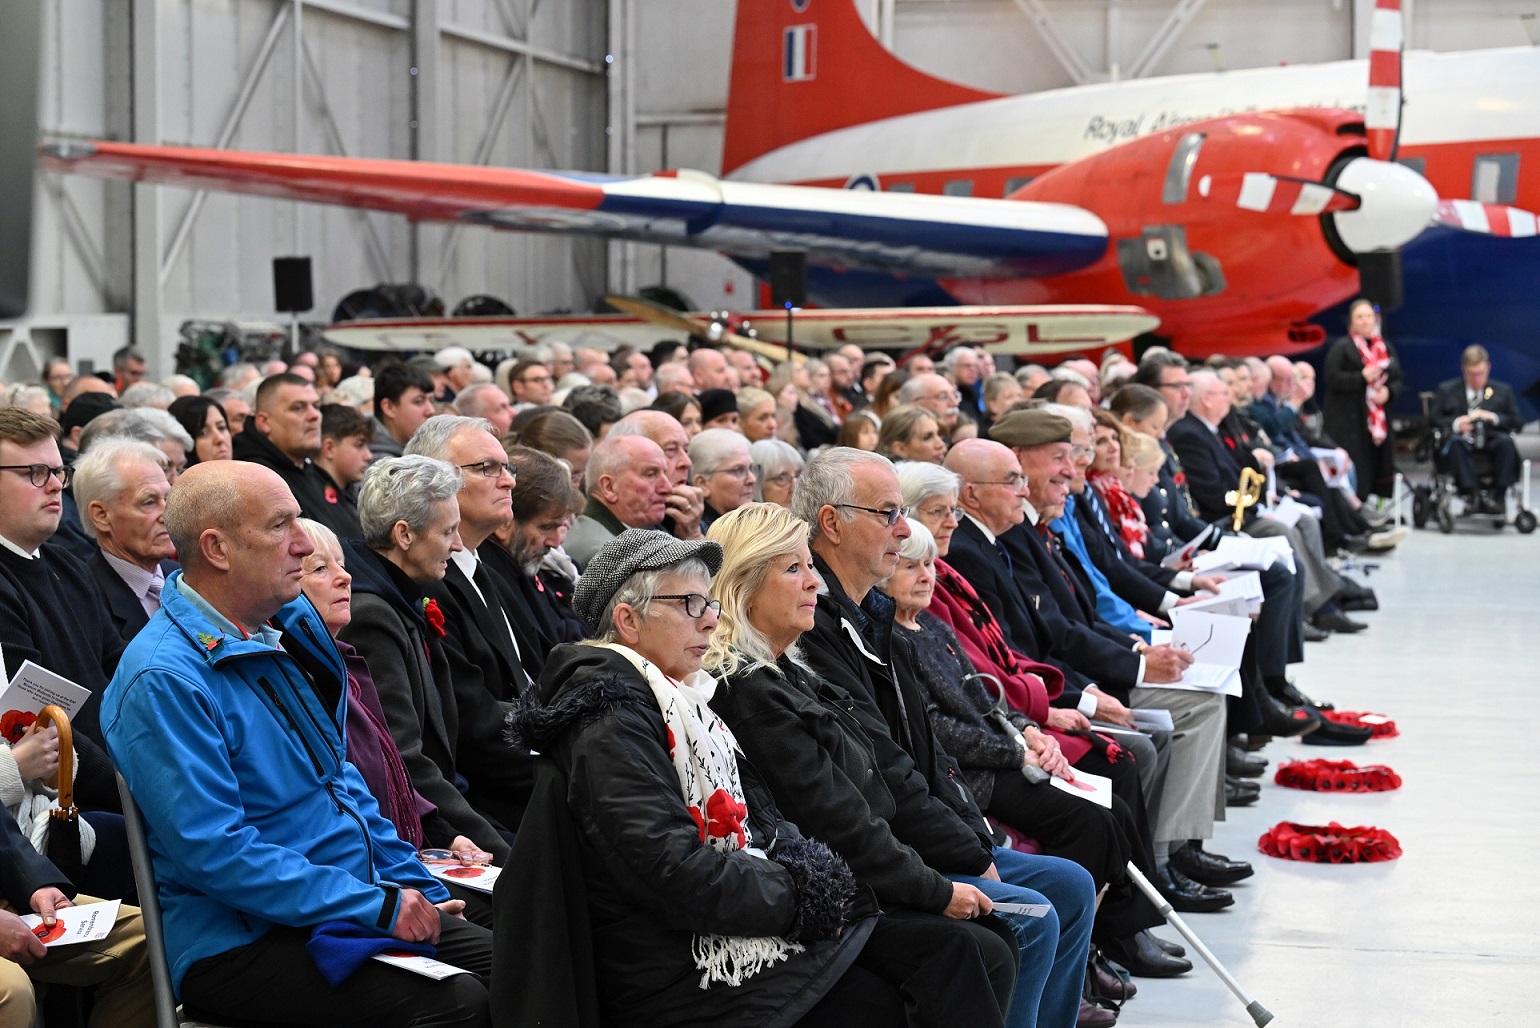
(117, 968)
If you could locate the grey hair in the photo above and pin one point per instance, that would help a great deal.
(606, 458)
(146, 394)
(403, 489)
(829, 480)
(772, 457)
(432, 437)
(640, 588)
(713, 447)
(196, 505)
(21, 393)
(920, 480)
(1198, 377)
(172, 381)
(351, 392)
(234, 373)
(146, 424)
(453, 356)
(666, 377)
(99, 474)
(1070, 375)
(467, 403)
(1077, 416)
(920, 545)
(220, 394)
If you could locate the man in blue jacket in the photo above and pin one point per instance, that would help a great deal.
(226, 717)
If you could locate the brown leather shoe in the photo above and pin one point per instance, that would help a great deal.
(1093, 1016)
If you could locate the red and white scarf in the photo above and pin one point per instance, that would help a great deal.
(1127, 515)
(705, 756)
(1375, 355)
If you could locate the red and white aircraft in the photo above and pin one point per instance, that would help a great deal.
(1233, 207)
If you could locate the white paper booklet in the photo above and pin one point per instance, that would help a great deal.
(34, 688)
(1217, 642)
(480, 877)
(76, 924)
(1153, 719)
(1096, 788)
(1243, 552)
(425, 966)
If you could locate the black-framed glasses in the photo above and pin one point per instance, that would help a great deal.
(695, 604)
(892, 515)
(38, 474)
(491, 468)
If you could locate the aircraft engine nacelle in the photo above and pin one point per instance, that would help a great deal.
(1193, 241)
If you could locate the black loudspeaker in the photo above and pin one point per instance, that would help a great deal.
(1379, 275)
(291, 284)
(788, 278)
(19, 45)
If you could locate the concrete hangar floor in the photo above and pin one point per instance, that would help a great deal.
(1449, 934)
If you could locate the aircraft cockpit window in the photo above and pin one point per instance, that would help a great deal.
(1179, 171)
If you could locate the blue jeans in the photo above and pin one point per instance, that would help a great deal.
(1053, 948)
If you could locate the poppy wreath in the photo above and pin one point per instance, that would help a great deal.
(1329, 844)
(1381, 729)
(1336, 776)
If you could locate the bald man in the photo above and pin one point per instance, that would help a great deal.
(628, 485)
(225, 716)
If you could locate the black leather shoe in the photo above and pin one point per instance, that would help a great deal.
(1241, 764)
(1144, 959)
(1337, 621)
(1313, 634)
(1207, 868)
(1171, 948)
(1241, 792)
(1093, 1016)
(1332, 734)
(1187, 896)
(1278, 719)
(1289, 693)
(1355, 543)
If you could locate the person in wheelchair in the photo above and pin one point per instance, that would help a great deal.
(1477, 415)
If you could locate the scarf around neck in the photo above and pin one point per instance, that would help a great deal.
(1375, 354)
(705, 757)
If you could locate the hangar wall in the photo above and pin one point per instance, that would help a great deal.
(1011, 46)
(511, 82)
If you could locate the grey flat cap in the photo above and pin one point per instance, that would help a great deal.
(634, 550)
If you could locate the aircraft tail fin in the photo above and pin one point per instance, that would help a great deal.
(805, 67)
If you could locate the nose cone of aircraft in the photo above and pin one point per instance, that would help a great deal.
(1397, 205)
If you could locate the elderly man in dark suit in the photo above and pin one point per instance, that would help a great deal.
(121, 487)
(116, 969)
(1481, 415)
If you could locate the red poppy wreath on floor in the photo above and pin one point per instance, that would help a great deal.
(1336, 776)
(1379, 724)
(1329, 844)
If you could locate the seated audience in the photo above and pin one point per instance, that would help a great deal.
(704, 904)
(710, 370)
(687, 500)
(628, 486)
(862, 430)
(937, 395)
(552, 430)
(224, 717)
(544, 504)
(682, 407)
(723, 471)
(719, 409)
(121, 488)
(816, 422)
(284, 435)
(911, 433)
(237, 407)
(403, 400)
(530, 384)
(777, 466)
(411, 521)
(205, 420)
(343, 458)
(756, 414)
(485, 400)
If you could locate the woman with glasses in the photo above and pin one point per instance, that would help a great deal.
(722, 470)
(411, 524)
(777, 466)
(910, 432)
(703, 905)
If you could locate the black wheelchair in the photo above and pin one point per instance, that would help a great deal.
(1440, 500)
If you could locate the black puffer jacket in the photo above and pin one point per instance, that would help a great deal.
(317, 495)
(652, 885)
(820, 764)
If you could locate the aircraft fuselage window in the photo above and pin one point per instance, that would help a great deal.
(1496, 178)
(958, 187)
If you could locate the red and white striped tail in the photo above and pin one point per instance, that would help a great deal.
(1493, 219)
(1272, 194)
(1382, 118)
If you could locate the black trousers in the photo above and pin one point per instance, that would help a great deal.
(1460, 456)
(274, 981)
(921, 969)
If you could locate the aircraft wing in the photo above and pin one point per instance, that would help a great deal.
(907, 233)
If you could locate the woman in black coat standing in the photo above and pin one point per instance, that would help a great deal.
(1363, 378)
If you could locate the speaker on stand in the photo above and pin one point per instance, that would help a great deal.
(292, 293)
(788, 284)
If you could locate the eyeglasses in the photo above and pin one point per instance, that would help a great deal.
(1080, 452)
(942, 513)
(891, 516)
(530, 379)
(492, 468)
(953, 397)
(1176, 385)
(38, 474)
(742, 471)
(695, 604)
(784, 478)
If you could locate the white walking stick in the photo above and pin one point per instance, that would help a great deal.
(1260, 1014)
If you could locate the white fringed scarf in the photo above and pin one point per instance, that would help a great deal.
(704, 753)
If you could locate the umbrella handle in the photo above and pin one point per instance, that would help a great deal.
(65, 778)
